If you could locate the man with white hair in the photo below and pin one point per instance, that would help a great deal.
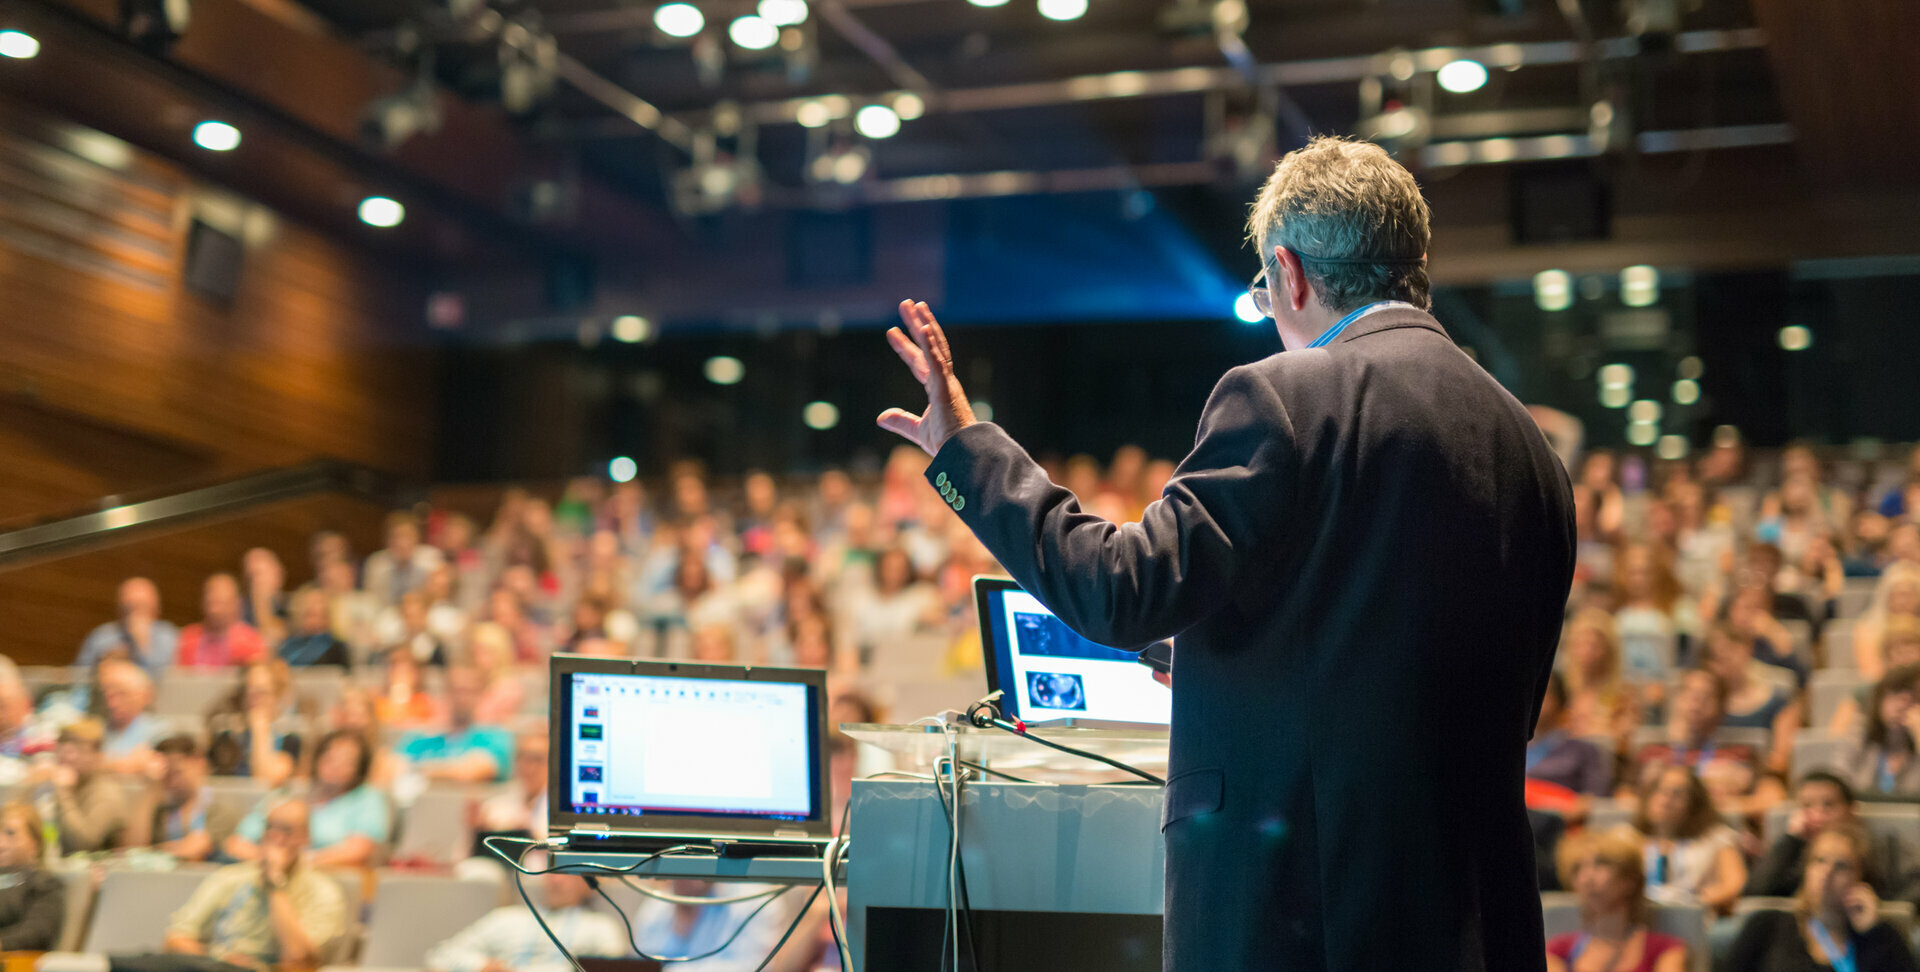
(139, 633)
(1365, 559)
(126, 698)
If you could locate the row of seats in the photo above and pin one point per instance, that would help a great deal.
(1900, 820)
(1689, 922)
(191, 693)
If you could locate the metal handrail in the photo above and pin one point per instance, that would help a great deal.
(64, 534)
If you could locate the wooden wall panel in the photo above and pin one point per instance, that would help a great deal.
(116, 377)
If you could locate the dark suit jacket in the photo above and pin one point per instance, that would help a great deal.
(1365, 559)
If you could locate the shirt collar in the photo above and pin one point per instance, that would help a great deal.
(1387, 316)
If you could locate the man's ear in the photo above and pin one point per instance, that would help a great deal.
(1291, 285)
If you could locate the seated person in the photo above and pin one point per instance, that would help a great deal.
(312, 642)
(131, 729)
(1563, 773)
(1691, 856)
(33, 902)
(1606, 872)
(140, 634)
(490, 648)
(221, 637)
(1754, 700)
(1732, 773)
(255, 730)
(89, 808)
(275, 909)
(465, 752)
(1880, 758)
(350, 820)
(669, 930)
(1835, 922)
(1823, 800)
(1899, 647)
(404, 627)
(507, 939)
(1599, 699)
(403, 701)
(176, 813)
(520, 805)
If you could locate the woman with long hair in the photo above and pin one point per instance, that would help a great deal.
(1881, 759)
(349, 820)
(1897, 594)
(1691, 856)
(1835, 922)
(1608, 875)
(1599, 702)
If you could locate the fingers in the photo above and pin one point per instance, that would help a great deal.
(936, 338)
(921, 325)
(909, 353)
(900, 422)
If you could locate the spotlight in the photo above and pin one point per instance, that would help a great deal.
(876, 121)
(1616, 376)
(216, 136)
(155, 24)
(1645, 410)
(1063, 9)
(725, 370)
(1553, 290)
(909, 106)
(820, 416)
(18, 45)
(1639, 286)
(813, 114)
(1673, 447)
(1462, 76)
(1795, 337)
(783, 13)
(382, 212)
(631, 328)
(1686, 391)
(1642, 433)
(753, 33)
(679, 20)
(1244, 309)
(622, 469)
(988, 3)
(1615, 396)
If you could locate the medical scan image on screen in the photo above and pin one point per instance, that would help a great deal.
(655, 745)
(1057, 674)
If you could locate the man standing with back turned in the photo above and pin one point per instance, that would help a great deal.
(1365, 560)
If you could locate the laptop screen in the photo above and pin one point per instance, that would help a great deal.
(1045, 671)
(669, 742)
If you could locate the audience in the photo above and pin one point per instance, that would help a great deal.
(33, 903)
(465, 752)
(253, 730)
(1576, 769)
(88, 808)
(176, 813)
(274, 908)
(1897, 596)
(1692, 856)
(1732, 771)
(349, 820)
(1599, 700)
(520, 804)
(403, 565)
(1880, 759)
(508, 939)
(126, 700)
(16, 711)
(220, 638)
(1823, 800)
(1608, 876)
(140, 634)
(1755, 699)
(312, 641)
(1835, 922)
(1899, 648)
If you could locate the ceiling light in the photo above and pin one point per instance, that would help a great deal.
(876, 121)
(1673, 447)
(753, 33)
(631, 328)
(784, 13)
(988, 3)
(622, 469)
(725, 370)
(981, 410)
(1616, 376)
(813, 114)
(382, 212)
(1795, 337)
(1644, 410)
(1244, 309)
(216, 136)
(1063, 9)
(1615, 396)
(1692, 367)
(1642, 433)
(679, 20)
(1553, 290)
(1686, 391)
(1462, 76)
(909, 106)
(1639, 286)
(820, 416)
(18, 45)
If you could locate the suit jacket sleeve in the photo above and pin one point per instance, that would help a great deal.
(1128, 585)
(1777, 875)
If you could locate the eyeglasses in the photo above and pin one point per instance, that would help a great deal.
(1262, 299)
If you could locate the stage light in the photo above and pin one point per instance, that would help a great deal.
(1686, 391)
(1616, 376)
(813, 114)
(753, 33)
(1673, 447)
(631, 328)
(1462, 76)
(1615, 396)
(1795, 337)
(1691, 367)
(876, 121)
(382, 212)
(1244, 309)
(783, 13)
(1063, 9)
(982, 410)
(1553, 290)
(909, 106)
(679, 20)
(1726, 436)
(1645, 410)
(988, 3)
(1639, 286)
(725, 370)
(18, 45)
(216, 136)
(820, 416)
(1642, 433)
(622, 469)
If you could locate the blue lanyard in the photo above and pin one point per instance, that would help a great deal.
(1334, 331)
(1842, 961)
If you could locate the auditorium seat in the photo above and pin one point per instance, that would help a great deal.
(73, 928)
(1827, 689)
(1855, 594)
(435, 827)
(412, 913)
(1760, 740)
(1561, 909)
(186, 693)
(1814, 749)
(1837, 636)
(135, 906)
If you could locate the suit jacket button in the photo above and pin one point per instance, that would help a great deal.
(940, 480)
(959, 503)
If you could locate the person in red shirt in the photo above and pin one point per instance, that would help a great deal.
(220, 639)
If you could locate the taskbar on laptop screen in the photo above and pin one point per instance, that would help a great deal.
(595, 809)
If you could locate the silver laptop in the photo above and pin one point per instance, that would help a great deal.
(654, 754)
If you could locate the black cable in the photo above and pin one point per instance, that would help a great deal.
(994, 772)
(966, 902)
(985, 714)
(519, 884)
(846, 827)
(782, 943)
(723, 946)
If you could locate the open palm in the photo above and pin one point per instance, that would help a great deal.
(923, 346)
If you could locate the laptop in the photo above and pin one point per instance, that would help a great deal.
(1050, 676)
(654, 754)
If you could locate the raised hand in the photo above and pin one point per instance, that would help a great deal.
(923, 346)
